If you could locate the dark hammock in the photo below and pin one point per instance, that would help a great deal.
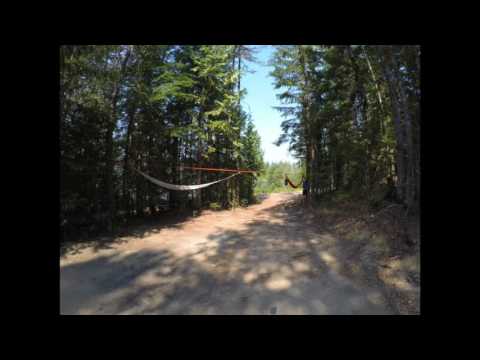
(287, 180)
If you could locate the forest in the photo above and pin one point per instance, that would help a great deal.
(154, 108)
(351, 119)
(175, 200)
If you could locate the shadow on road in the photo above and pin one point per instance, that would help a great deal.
(283, 262)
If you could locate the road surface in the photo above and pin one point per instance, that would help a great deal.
(270, 258)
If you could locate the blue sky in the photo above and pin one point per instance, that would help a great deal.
(259, 101)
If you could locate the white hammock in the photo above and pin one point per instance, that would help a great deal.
(182, 187)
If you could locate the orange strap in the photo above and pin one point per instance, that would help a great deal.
(214, 169)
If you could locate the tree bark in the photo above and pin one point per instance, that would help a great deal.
(198, 193)
(374, 78)
(109, 142)
(173, 149)
(378, 92)
(407, 123)
(126, 166)
(387, 65)
(151, 189)
(308, 135)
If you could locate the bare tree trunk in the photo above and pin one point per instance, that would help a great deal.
(151, 202)
(308, 169)
(406, 115)
(379, 94)
(198, 197)
(360, 100)
(308, 136)
(402, 165)
(109, 175)
(182, 203)
(237, 179)
(109, 143)
(374, 78)
(126, 166)
(172, 196)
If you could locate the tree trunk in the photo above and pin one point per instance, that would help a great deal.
(172, 196)
(151, 189)
(126, 166)
(109, 145)
(379, 94)
(308, 135)
(198, 197)
(408, 141)
(182, 203)
(109, 175)
(374, 79)
(401, 164)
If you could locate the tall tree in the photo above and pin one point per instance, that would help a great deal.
(337, 120)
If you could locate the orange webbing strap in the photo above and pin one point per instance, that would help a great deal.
(292, 184)
(217, 169)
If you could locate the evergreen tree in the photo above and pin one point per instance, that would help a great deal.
(152, 108)
(352, 116)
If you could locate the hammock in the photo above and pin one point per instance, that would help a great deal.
(181, 187)
(287, 180)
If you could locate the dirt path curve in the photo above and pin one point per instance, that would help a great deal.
(265, 259)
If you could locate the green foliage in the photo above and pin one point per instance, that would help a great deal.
(351, 114)
(151, 107)
(273, 177)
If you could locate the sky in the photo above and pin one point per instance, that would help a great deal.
(259, 102)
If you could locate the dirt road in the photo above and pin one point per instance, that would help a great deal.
(269, 258)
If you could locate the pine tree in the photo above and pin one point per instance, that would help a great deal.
(338, 120)
(152, 108)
